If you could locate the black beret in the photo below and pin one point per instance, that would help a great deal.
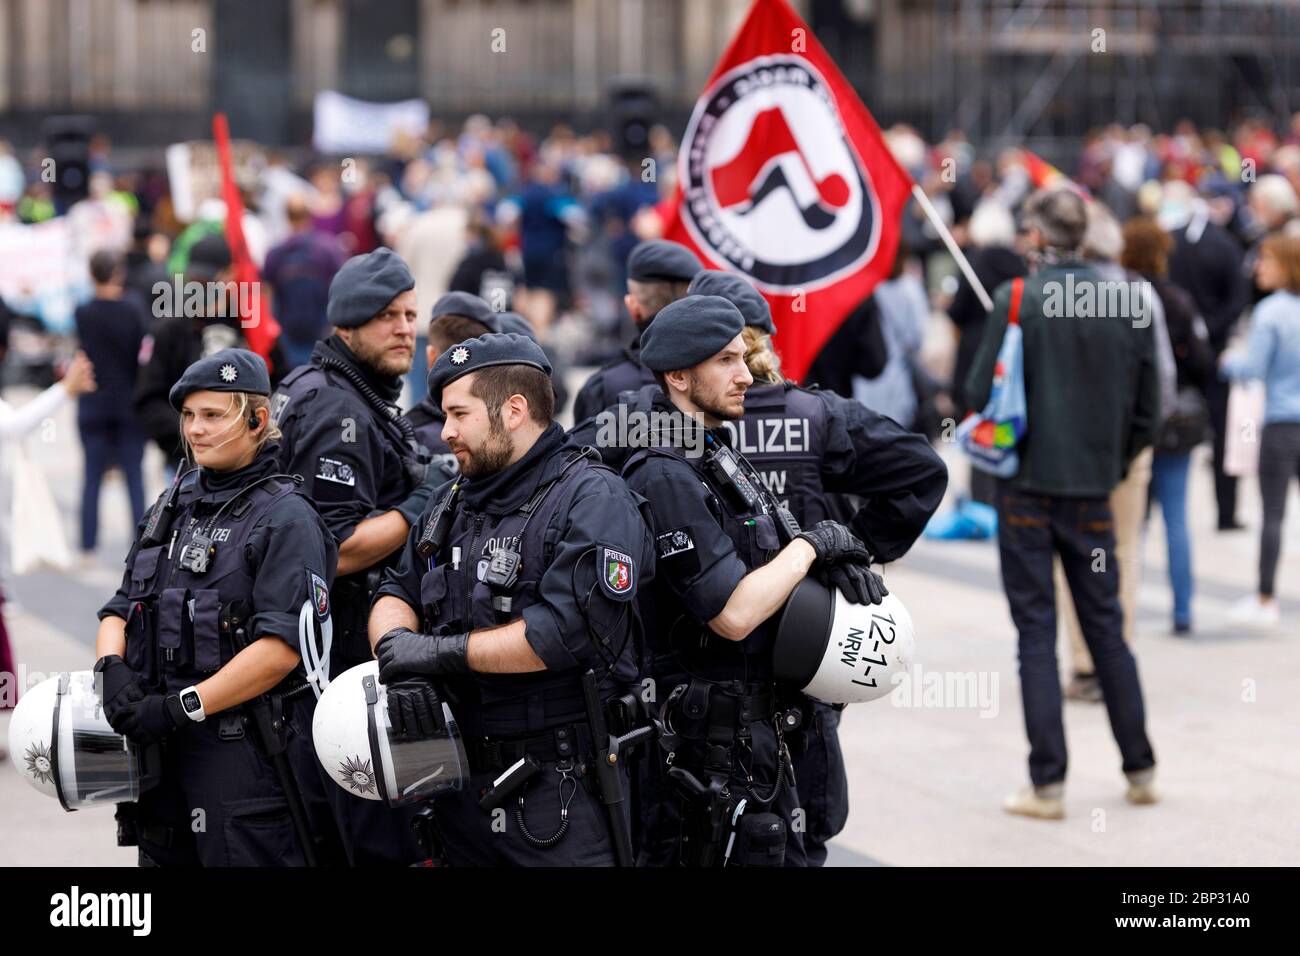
(365, 285)
(230, 370)
(514, 322)
(494, 348)
(740, 293)
(688, 331)
(659, 260)
(209, 256)
(465, 305)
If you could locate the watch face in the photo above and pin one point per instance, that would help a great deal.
(190, 701)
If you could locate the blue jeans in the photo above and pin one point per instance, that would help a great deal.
(1169, 487)
(1082, 532)
(106, 441)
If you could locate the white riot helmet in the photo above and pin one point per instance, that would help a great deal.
(63, 746)
(356, 746)
(839, 652)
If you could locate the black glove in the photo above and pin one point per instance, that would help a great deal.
(414, 504)
(835, 543)
(414, 708)
(118, 685)
(403, 652)
(149, 719)
(857, 582)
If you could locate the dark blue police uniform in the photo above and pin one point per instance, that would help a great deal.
(808, 445)
(585, 554)
(190, 606)
(344, 434)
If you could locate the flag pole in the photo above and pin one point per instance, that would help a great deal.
(962, 263)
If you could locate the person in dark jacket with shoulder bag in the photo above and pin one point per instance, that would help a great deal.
(1093, 402)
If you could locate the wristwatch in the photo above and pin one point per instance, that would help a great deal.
(192, 704)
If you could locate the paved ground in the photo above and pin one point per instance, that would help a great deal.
(928, 770)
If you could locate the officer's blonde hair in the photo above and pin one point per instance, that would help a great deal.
(246, 403)
(762, 361)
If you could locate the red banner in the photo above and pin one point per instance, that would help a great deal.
(784, 177)
(260, 328)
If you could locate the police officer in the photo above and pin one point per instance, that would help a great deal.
(728, 558)
(199, 649)
(458, 316)
(366, 472)
(658, 272)
(807, 445)
(519, 580)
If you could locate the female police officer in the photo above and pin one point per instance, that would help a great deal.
(228, 578)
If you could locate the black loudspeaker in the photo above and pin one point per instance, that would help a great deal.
(67, 140)
(634, 107)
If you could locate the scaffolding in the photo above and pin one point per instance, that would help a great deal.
(1048, 71)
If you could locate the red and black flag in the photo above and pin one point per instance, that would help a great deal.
(784, 177)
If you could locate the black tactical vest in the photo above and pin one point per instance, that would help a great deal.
(182, 626)
(678, 644)
(783, 434)
(454, 598)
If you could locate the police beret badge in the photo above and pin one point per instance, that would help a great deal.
(459, 355)
(228, 373)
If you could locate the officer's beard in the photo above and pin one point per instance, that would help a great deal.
(377, 357)
(715, 404)
(492, 455)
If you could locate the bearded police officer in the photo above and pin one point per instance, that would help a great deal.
(808, 445)
(658, 272)
(202, 647)
(728, 557)
(457, 316)
(365, 470)
(514, 597)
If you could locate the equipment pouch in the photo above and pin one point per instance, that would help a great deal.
(205, 606)
(760, 840)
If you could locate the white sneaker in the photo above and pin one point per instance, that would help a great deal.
(1250, 611)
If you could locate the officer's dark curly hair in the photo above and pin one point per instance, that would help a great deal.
(496, 383)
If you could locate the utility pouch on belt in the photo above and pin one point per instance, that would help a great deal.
(760, 840)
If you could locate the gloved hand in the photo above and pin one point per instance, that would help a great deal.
(118, 685)
(403, 652)
(414, 708)
(835, 543)
(857, 582)
(414, 504)
(149, 719)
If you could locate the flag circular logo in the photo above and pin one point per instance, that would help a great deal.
(771, 183)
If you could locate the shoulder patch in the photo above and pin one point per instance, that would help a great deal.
(319, 595)
(617, 572)
(331, 469)
(674, 542)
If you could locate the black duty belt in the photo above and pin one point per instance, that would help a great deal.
(566, 742)
(752, 703)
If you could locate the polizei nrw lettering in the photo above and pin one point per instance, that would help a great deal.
(77, 909)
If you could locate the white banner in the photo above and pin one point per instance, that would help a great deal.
(344, 125)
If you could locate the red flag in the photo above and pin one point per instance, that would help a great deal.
(783, 176)
(259, 326)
